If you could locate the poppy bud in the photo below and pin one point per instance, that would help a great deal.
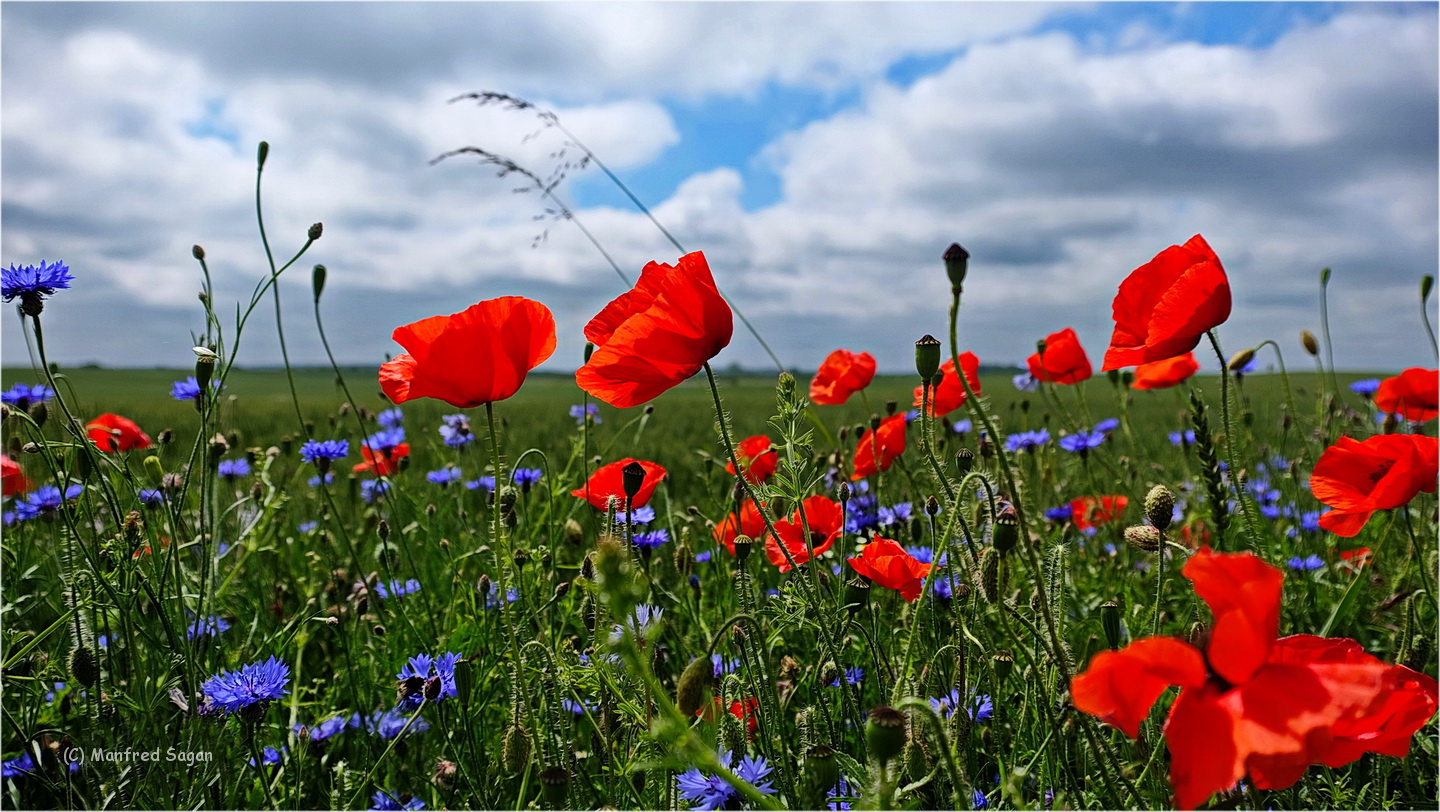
(917, 760)
(1040, 347)
(1007, 531)
(555, 782)
(632, 478)
(483, 586)
(1240, 359)
(1114, 376)
(1110, 622)
(990, 575)
(153, 470)
(1427, 284)
(515, 748)
(694, 682)
(1143, 537)
(522, 558)
(197, 252)
(589, 348)
(1160, 506)
(957, 261)
(317, 280)
(262, 153)
(316, 229)
(1127, 377)
(927, 357)
(857, 594)
(987, 449)
(964, 461)
(1003, 662)
(932, 506)
(84, 667)
(842, 493)
(383, 530)
(1307, 340)
(885, 732)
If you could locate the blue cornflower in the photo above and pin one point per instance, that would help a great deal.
(445, 475)
(16, 767)
(722, 665)
(317, 450)
(1062, 513)
(208, 627)
(852, 676)
(978, 799)
(314, 481)
(58, 690)
(396, 589)
(1365, 388)
(1108, 425)
(1082, 441)
(1309, 562)
(308, 527)
(390, 418)
(386, 439)
(32, 284)
(44, 501)
(640, 515)
(979, 707)
(962, 426)
(925, 555)
(256, 684)
(899, 512)
(426, 667)
(702, 557)
(644, 618)
(22, 395)
(651, 539)
(492, 599)
(1186, 438)
(590, 410)
(370, 489)
(525, 477)
(486, 482)
(150, 497)
(577, 708)
(1025, 382)
(842, 789)
(912, 415)
(189, 389)
(234, 468)
(268, 756)
(387, 725)
(332, 726)
(455, 430)
(1027, 440)
(383, 801)
(709, 792)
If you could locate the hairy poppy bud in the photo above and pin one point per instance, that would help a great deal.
(1007, 531)
(154, 470)
(515, 748)
(694, 682)
(589, 348)
(1143, 537)
(932, 506)
(197, 252)
(632, 478)
(990, 575)
(1160, 507)
(1427, 284)
(317, 280)
(261, 153)
(84, 667)
(315, 231)
(1240, 359)
(957, 261)
(885, 732)
(1307, 340)
(927, 357)
(842, 493)
(1110, 622)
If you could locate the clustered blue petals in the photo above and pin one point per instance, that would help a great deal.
(324, 450)
(256, 684)
(23, 395)
(1306, 564)
(207, 627)
(32, 283)
(189, 389)
(445, 475)
(710, 792)
(580, 413)
(1027, 440)
(455, 430)
(383, 801)
(397, 589)
(426, 668)
(233, 468)
(44, 501)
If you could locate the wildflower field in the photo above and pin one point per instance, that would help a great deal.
(447, 582)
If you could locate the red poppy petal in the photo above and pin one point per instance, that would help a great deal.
(395, 377)
(1243, 593)
(1120, 687)
(1204, 758)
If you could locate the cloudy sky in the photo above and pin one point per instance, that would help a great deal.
(821, 155)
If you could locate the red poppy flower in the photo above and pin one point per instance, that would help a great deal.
(111, 433)
(384, 462)
(479, 355)
(1064, 360)
(1093, 511)
(1250, 703)
(609, 481)
(825, 518)
(12, 476)
(757, 456)
(889, 440)
(744, 711)
(1386, 471)
(657, 334)
(749, 523)
(1166, 373)
(1166, 305)
(950, 395)
(887, 564)
(1356, 558)
(1414, 394)
(842, 374)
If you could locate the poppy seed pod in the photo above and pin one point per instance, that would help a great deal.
(743, 544)
(1160, 507)
(1007, 531)
(1143, 537)
(555, 782)
(957, 262)
(1110, 623)
(1003, 662)
(927, 357)
(1307, 340)
(885, 732)
(692, 686)
(857, 594)
(964, 461)
(821, 766)
(1240, 359)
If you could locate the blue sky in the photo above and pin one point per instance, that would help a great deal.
(821, 154)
